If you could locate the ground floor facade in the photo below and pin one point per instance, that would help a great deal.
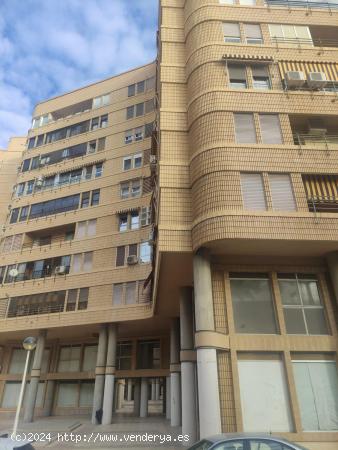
(249, 345)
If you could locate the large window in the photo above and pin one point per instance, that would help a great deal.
(264, 394)
(245, 128)
(253, 191)
(124, 355)
(253, 34)
(69, 359)
(252, 303)
(231, 32)
(303, 308)
(270, 129)
(281, 192)
(293, 34)
(317, 392)
(237, 76)
(148, 355)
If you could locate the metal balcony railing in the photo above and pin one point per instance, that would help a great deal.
(323, 204)
(43, 273)
(309, 4)
(305, 42)
(32, 310)
(58, 240)
(326, 140)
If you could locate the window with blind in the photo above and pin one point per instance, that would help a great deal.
(231, 32)
(253, 33)
(281, 192)
(120, 256)
(270, 129)
(260, 77)
(317, 392)
(253, 192)
(237, 76)
(69, 359)
(245, 128)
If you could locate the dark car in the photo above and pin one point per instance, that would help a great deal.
(245, 441)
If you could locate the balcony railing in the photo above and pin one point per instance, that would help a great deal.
(323, 204)
(305, 42)
(309, 4)
(326, 140)
(32, 310)
(43, 273)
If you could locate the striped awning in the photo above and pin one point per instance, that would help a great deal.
(321, 187)
(243, 57)
(127, 210)
(330, 69)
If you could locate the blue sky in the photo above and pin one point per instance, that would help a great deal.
(48, 47)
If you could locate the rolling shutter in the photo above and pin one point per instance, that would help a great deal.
(281, 193)
(253, 191)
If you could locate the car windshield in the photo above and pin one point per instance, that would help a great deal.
(202, 445)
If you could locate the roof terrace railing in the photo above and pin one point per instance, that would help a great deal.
(309, 4)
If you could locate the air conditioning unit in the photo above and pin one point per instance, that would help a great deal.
(316, 80)
(132, 260)
(43, 162)
(294, 79)
(60, 270)
(39, 181)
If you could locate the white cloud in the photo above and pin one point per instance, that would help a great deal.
(48, 47)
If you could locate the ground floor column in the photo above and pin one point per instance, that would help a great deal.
(120, 394)
(108, 398)
(208, 390)
(188, 367)
(137, 396)
(48, 406)
(175, 376)
(168, 397)
(157, 389)
(144, 398)
(129, 390)
(100, 373)
(153, 389)
(35, 377)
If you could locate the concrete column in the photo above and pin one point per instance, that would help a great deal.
(144, 398)
(332, 262)
(153, 389)
(48, 406)
(35, 377)
(188, 367)
(137, 396)
(157, 389)
(129, 390)
(208, 391)
(120, 394)
(108, 397)
(168, 397)
(100, 373)
(175, 388)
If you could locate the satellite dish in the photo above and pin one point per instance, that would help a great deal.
(14, 273)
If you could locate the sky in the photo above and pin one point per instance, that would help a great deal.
(48, 47)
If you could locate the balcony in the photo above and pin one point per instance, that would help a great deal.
(315, 131)
(304, 36)
(321, 192)
(50, 237)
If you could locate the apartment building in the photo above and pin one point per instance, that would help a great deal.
(174, 230)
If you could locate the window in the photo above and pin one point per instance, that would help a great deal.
(132, 250)
(303, 309)
(252, 304)
(130, 189)
(130, 297)
(130, 112)
(71, 300)
(317, 392)
(245, 129)
(270, 129)
(25, 165)
(145, 252)
(231, 32)
(95, 197)
(253, 34)
(138, 133)
(101, 144)
(104, 121)
(35, 162)
(124, 190)
(139, 109)
(237, 76)
(290, 33)
(131, 90)
(148, 355)
(103, 100)
(140, 86)
(83, 298)
(282, 193)
(117, 294)
(264, 395)
(85, 199)
(69, 359)
(124, 355)
(89, 358)
(134, 220)
(247, 2)
(91, 227)
(54, 206)
(132, 162)
(120, 256)
(128, 137)
(31, 143)
(260, 77)
(135, 188)
(98, 170)
(20, 189)
(123, 222)
(253, 192)
(149, 106)
(87, 261)
(14, 215)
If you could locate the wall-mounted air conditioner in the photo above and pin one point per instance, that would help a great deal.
(60, 270)
(316, 80)
(294, 79)
(132, 260)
